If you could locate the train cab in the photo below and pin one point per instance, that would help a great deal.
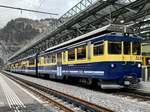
(122, 60)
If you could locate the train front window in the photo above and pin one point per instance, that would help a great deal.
(114, 47)
(127, 48)
(136, 48)
(98, 48)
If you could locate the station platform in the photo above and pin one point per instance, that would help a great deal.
(14, 98)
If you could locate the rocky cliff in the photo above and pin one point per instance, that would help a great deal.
(19, 32)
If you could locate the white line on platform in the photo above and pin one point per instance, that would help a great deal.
(13, 101)
(34, 97)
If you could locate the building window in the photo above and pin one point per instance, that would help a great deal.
(114, 47)
(98, 48)
(127, 48)
(81, 52)
(71, 54)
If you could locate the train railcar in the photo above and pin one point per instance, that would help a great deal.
(108, 57)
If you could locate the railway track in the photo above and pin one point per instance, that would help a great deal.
(61, 100)
(135, 94)
(123, 92)
(140, 95)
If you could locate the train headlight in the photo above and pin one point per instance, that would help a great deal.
(139, 65)
(112, 65)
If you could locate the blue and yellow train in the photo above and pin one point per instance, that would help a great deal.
(106, 57)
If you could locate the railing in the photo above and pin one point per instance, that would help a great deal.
(82, 5)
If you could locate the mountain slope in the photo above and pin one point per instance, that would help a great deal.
(19, 32)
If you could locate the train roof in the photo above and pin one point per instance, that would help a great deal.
(111, 28)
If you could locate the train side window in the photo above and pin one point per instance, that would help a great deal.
(71, 55)
(45, 59)
(31, 62)
(53, 58)
(98, 48)
(136, 48)
(39, 61)
(127, 48)
(48, 59)
(64, 56)
(81, 52)
(114, 47)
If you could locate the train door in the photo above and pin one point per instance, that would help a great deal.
(59, 64)
(36, 65)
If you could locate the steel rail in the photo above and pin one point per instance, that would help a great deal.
(135, 94)
(84, 105)
(43, 96)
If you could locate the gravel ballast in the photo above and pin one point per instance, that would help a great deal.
(117, 103)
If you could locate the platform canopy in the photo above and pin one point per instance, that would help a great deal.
(89, 15)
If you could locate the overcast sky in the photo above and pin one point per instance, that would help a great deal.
(54, 6)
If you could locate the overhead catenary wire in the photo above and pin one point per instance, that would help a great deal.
(29, 10)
